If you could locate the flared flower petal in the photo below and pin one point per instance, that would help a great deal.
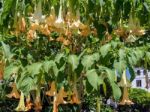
(125, 98)
(21, 105)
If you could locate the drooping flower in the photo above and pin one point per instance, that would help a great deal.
(2, 65)
(37, 17)
(59, 23)
(21, 105)
(37, 102)
(53, 90)
(14, 93)
(55, 105)
(75, 98)
(44, 30)
(125, 84)
(50, 20)
(60, 96)
(31, 35)
(22, 24)
(28, 103)
(125, 98)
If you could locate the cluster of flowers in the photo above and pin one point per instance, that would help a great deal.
(66, 26)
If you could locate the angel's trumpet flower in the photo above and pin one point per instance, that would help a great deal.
(60, 96)
(51, 19)
(55, 106)
(59, 23)
(21, 105)
(124, 83)
(75, 98)
(125, 98)
(31, 35)
(28, 103)
(53, 90)
(2, 65)
(14, 93)
(37, 16)
(22, 24)
(37, 102)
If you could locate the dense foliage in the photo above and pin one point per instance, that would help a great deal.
(67, 49)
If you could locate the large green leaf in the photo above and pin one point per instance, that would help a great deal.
(26, 84)
(120, 66)
(122, 54)
(10, 70)
(93, 78)
(47, 65)
(6, 10)
(6, 49)
(59, 56)
(73, 61)
(111, 75)
(116, 91)
(105, 49)
(34, 68)
(87, 61)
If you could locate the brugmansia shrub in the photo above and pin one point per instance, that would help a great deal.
(62, 51)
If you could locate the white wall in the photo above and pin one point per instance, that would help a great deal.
(142, 78)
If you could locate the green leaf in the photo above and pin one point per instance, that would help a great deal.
(120, 66)
(6, 10)
(47, 65)
(111, 75)
(116, 91)
(26, 84)
(56, 70)
(34, 68)
(74, 61)
(59, 57)
(132, 73)
(6, 49)
(9, 70)
(92, 78)
(122, 54)
(87, 61)
(105, 49)
(95, 56)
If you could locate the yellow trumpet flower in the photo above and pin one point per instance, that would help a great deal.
(21, 105)
(124, 83)
(125, 98)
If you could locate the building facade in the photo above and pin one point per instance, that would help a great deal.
(141, 80)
